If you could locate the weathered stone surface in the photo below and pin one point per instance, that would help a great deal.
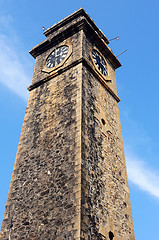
(69, 179)
(104, 179)
(43, 201)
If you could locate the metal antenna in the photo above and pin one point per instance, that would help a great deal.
(116, 38)
(121, 53)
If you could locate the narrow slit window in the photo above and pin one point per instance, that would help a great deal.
(103, 121)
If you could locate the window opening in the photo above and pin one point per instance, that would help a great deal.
(111, 235)
(103, 121)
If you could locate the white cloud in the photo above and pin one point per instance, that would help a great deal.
(14, 69)
(141, 175)
(5, 23)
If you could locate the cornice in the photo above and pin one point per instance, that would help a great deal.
(73, 64)
(72, 17)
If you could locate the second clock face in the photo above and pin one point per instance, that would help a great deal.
(100, 62)
(57, 56)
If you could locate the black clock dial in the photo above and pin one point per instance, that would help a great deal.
(100, 63)
(57, 56)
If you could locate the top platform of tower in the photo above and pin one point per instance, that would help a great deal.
(68, 26)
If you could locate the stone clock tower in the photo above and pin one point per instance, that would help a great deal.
(69, 179)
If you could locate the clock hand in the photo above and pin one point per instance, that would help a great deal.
(98, 62)
(102, 68)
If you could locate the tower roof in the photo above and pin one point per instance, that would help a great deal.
(77, 14)
(68, 26)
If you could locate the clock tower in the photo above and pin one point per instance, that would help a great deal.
(69, 179)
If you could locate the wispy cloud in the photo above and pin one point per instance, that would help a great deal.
(14, 68)
(141, 175)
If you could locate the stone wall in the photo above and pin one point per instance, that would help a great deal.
(105, 195)
(44, 197)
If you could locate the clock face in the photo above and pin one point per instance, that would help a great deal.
(57, 56)
(100, 62)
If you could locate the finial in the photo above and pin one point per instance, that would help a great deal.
(44, 29)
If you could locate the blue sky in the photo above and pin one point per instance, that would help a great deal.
(136, 22)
